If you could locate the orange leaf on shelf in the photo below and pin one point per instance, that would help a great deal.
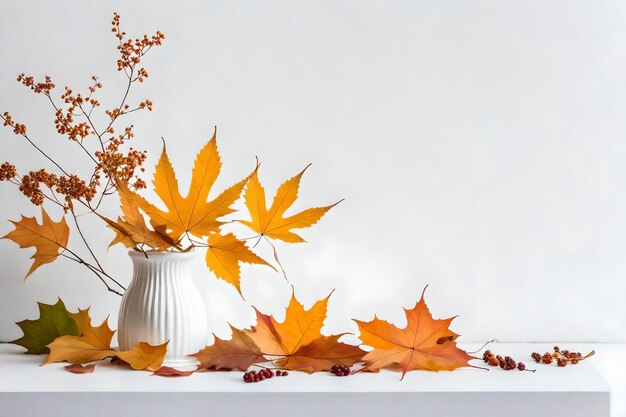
(94, 343)
(297, 342)
(144, 356)
(424, 344)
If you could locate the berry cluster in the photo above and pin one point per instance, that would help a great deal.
(507, 363)
(340, 370)
(562, 357)
(263, 374)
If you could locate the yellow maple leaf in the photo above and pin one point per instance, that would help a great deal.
(144, 356)
(271, 222)
(48, 238)
(193, 213)
(94, 343)
(299, 328)
(132, 231)
(224, 254)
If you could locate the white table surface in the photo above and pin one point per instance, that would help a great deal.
(464, 392)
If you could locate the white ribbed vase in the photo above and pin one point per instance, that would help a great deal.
(163, 303)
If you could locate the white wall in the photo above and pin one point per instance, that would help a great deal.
(480, 146)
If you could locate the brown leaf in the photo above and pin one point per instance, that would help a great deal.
(425, 343)
(240, 352)
(81, 369)
(168, 371)
(321, 354)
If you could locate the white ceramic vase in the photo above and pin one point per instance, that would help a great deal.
(163, 303)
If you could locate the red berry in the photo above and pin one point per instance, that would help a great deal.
(285, 373)
(521, 366)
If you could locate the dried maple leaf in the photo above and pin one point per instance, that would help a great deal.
(144, 356)
(94, 343)
(240, 352)
(132, 231)
(193, 213)
(54, 321)
(425, 343)
(224, 254)
(272, 223)
(297, 342)
(80, 369)
(168, 371)
(321, 354)
(48, 238)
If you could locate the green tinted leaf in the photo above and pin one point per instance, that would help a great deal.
(54, 321)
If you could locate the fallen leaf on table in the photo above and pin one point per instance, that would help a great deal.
(48, 238)
(54, 321)
(321, 354)
(144, 356)
(240, 352)
(94, 344)
(424, 344)
(81, 369)
(272, 223)
(168, 371)
(297, 342)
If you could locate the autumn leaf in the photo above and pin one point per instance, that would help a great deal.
(224, 254)
(168, 371)
(240, 352)
(48, 238)
(132, 231)
(425, 343)
(193, 213)
(299, 328)
(321, 354)
(297, 342)
(80, 369)
(272, 223)
(144, 356)
(94, 343)
(54, 321)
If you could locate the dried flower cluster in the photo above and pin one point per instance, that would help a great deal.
(113, 161)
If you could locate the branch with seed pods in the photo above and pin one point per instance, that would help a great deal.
(560, 357)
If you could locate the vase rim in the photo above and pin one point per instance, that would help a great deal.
(161, 255)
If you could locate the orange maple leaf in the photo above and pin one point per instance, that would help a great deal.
(297, 342)
(271, 222)
(425, 343)
(193, 213)
(48, 238)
